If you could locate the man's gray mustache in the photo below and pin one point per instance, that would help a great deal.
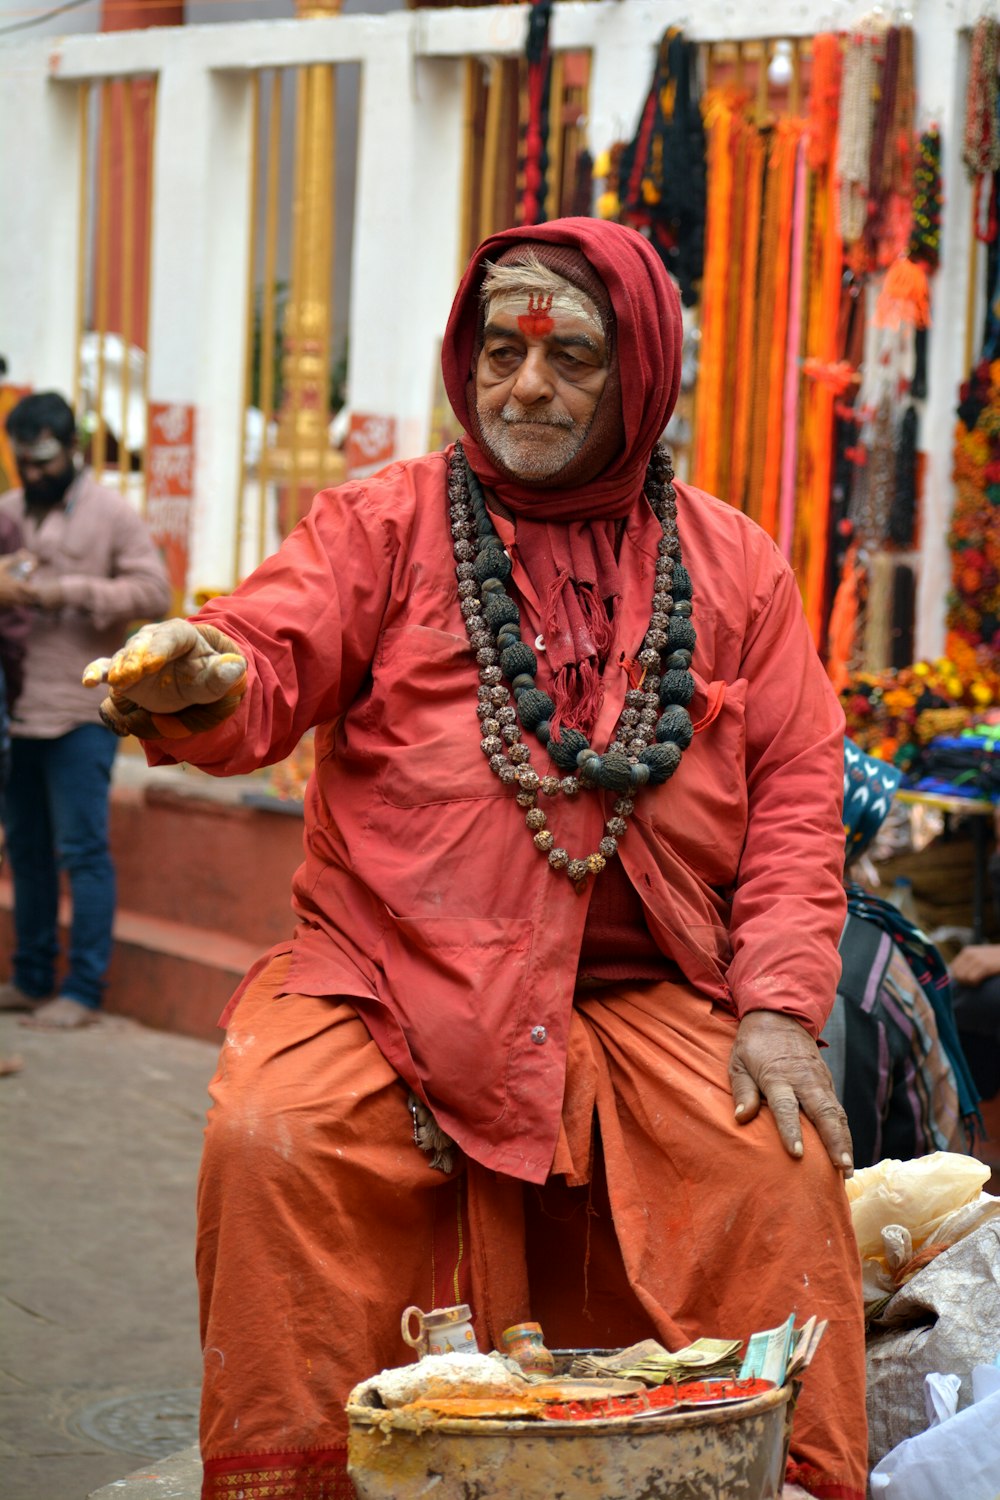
(513, 420)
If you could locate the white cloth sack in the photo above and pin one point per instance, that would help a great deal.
(946, 1318)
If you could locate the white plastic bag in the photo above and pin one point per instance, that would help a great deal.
(958, 1458)
(879, 1272)
(916, 1194)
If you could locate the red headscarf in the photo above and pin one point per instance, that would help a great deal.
(647, 343)
(566, 532)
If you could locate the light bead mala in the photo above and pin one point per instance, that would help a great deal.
(859, 81)
(654, 728)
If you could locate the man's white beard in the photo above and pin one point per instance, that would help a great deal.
(530, 456)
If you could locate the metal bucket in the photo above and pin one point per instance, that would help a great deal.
(737, 1452)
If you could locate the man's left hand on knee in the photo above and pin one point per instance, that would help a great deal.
(775, 1061)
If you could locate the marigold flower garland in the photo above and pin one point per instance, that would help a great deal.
(894, 714)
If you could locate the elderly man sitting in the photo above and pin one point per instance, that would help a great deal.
(570, 900)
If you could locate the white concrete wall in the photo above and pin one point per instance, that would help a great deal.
(406, 203)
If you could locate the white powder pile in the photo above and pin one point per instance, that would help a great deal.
(439, 1375)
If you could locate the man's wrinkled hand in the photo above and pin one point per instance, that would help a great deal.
(170, 680)
(775, 1061)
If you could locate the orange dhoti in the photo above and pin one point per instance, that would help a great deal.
(320, 1221)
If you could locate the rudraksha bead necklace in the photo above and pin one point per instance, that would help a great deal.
(654, 728)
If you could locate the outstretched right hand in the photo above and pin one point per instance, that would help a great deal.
(170, 680)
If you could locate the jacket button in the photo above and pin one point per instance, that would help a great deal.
(538, 1034)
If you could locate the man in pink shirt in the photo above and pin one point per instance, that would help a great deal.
(89, 567)
(570, 903)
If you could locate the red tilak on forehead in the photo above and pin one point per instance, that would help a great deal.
(537, 321)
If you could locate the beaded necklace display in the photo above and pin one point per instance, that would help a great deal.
(654, 728)
(981, 140)
(859, 81)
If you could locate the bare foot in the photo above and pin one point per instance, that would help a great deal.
(12, 997)
(10, 1064)
(61, 1014)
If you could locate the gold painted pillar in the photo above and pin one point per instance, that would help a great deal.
(303, 460)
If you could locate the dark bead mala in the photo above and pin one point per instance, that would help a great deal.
(655, 727)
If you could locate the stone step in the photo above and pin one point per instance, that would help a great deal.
(175, 1478)
(169, 975)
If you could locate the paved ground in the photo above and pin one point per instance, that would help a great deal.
(99, 1359)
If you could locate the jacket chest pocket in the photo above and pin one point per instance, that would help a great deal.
(701, 812)
(422, 719)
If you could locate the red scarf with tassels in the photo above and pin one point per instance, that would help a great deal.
(566, 526)
(574, 571)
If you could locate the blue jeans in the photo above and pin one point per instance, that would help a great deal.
(4, 742)
(57, 819)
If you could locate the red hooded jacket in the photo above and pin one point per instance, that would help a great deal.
(421, 895)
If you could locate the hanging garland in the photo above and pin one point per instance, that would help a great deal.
(583, 185)
(536, 158)
(784, 160)
(974, 536)
(905, 295)
(662, 170)
(801, 215)
(981, 138)
(903, 509)
(904, 598)
(712, 361)
(828, 376)
(859, 82)
(925, 228)
(751, 187)
(824, 101)
(890, 183)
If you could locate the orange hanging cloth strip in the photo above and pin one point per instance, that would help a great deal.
(743, 364)
(711, 366)
(783, 157)
(828, 250)
(739, 140)
(768, 255)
